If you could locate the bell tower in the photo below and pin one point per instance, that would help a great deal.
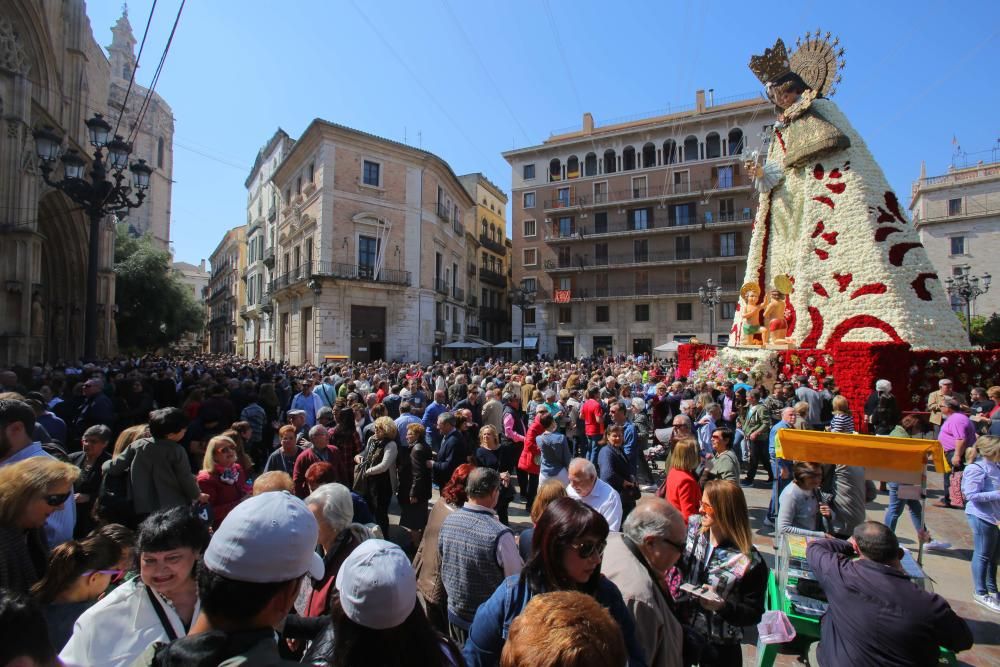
(122, 48)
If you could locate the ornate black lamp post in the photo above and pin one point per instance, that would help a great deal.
(522, 299)
(98, 196)
(711, 296)
(966, 289)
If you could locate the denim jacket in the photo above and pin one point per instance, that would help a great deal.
(493, 618)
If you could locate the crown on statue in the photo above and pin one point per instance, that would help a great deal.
(773, 64)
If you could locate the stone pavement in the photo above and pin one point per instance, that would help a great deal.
(948, 570)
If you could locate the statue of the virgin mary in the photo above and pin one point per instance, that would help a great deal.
(828, 229)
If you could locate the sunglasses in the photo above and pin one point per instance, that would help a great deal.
(680, 546)
(55, 500)
(588, 549)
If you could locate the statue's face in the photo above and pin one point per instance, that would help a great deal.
(751, 296)
(786, 98)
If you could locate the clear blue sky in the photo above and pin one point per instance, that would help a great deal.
(475, 78)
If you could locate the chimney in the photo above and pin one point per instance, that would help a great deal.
(711, 97)
(699, 101)
(202, 266)
(588, 123)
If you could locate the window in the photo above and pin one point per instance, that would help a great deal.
(727, 245)
(725, 175)
(682, 247)
(726, 210)
(603, 345)
(565, 260)
(682, 214)
(639, 187)
(565, 314)
(957, 245)
(642, 282)
(530, 256)
(683, 311)
(529, 172)
(312, 173)
(640, 250)
(601, 222)
(566, 227)
(529, 228)
(529, 315)
(954, 207)
(727, 310)
(529, 200)
(602, 314)
(566, 284)
(159, 152)
(642, 312)
(529, 284)
(639, 218)
(601, 254)
(682, 278)
(562, 195)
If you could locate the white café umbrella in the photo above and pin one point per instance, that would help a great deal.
(672, 346)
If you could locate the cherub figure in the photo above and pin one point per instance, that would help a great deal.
(753, 329)
(776, 331)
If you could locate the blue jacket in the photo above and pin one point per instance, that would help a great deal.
(492, 622)
(451, 455)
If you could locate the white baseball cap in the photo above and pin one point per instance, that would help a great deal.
(377, 584)
(266, 539)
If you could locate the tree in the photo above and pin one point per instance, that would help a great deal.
(154, 308)
(984, 330)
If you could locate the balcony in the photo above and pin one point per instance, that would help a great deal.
(473, 301)
(441, 287)
(272, 213)
(439, 325)
(624, 228)
(457, 226)
(646, 193)
(458, 294)
(362, 273)
(586, 262)
(254, 225)
(654, 290)
(492, 246)
(492, 277)
(265, 306)
(269, 257)
(486, 313)
(472, 329)
(472, 268)
(293, 277)
(443, 212)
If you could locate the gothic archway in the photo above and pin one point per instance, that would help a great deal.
(62, 290)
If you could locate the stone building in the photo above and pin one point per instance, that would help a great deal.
(195, 279)
(152, 139)
(370, 255)
(958, 217)
(262, 219)
(52, 73)
(488, 315)
(227, 293)
(615, 227)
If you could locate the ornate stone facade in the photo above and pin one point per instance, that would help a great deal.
(52, 72)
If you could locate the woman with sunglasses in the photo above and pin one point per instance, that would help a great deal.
(79, 573)
(30, 492)
(157, 606)
(566, 553)
(726, 575)
(221, 478)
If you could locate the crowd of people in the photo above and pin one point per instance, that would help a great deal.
(162, 511)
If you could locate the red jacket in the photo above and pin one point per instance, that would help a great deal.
(222, 497)
(682, 491)
(592, 415)
(531, 454)
(309, 457)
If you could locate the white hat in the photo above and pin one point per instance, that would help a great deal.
(266, 539)
(378, 588)
(295, 413)
(883, 385)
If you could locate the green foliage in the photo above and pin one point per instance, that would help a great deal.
(154, 308)
(983, 330)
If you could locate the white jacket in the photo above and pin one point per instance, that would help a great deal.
(116, 630)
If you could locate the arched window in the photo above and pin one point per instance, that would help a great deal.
(691, 148)
(713, 145)
(555, 170)
(573, 167)
(590, 165)
(669, 151)
(126, 74)
(610, 161)
(159, 153)
(648, 155)
(735, 141)
(628, 159)
(485, 228)
(493, 233)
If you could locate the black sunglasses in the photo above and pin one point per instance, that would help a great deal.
(55, 500)
(587, 549)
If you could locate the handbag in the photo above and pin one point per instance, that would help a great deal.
(955, 494)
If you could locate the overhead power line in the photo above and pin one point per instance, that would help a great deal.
(131, 79)
(156, 76)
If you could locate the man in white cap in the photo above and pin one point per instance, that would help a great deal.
(248, 581)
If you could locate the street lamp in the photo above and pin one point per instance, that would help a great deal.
(966, 289)
(521, 298)
(98, 197)
(710, 295)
